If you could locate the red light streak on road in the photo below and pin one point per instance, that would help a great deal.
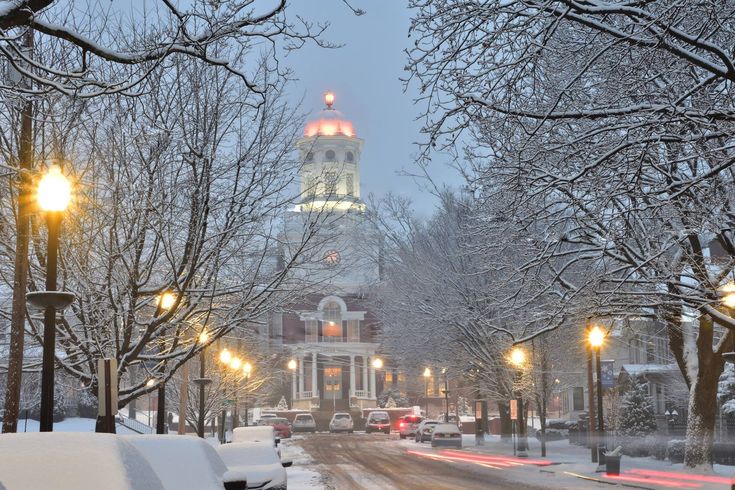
(682, 476)
(506, 459)
(654, 481)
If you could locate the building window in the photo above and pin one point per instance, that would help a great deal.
(332, 312)
(350, 185)
(388, 378)
(309, 157)
(332, 331)
(353, 330)
(329, 156)
(312, 332)
(332, 379)
(577, 398)
(330, 183)
(349, 157)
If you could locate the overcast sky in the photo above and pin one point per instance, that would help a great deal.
(364, 75)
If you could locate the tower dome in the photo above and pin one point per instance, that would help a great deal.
(329, 122)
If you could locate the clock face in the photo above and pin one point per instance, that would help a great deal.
(332, 257)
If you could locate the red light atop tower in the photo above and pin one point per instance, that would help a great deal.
(329, 99)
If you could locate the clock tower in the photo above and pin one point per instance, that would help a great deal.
(345, 253)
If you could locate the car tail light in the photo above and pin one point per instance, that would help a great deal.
(403, 424)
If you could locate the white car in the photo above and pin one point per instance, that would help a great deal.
(259, 434)
(74, 460)
(258, 464)
(195, 464)
(424, 430)
(341, 422)
(304, 422)
(445, 435)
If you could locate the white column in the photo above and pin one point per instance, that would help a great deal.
(301, 374)
(352, 376)
(365, 375)
(372, 380)
(313, 374)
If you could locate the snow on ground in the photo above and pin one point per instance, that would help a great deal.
(71, 424)
(300, 476)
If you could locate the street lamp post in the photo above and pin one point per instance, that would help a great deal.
(54, 195)
(225, 356)
(235, 364)
(377, 365)
(596, 337)
(446, 395)
(292, 365)
(202, 382)
(165, 302)
(150, 384)
(427, 375)
(246, 369)
(518, 360)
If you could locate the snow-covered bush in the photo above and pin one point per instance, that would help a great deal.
(675, 450)
(726, 389)
(282, 404)
(59, 413)
(399, 400)
(637, 416)
(463, 408)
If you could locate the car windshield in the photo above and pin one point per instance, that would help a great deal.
(341, 416)
(276, 421)
(237, 454)
(379, 418)
(304, 418)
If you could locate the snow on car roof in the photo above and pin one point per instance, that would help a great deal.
(445, 428)
(258, 433)
(72, 461)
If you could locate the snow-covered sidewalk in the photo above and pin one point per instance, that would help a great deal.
(572, 460)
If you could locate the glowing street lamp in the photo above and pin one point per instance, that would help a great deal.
(235, 363)
(517, 360)
(53, 197)
(595, 338)
(378, 363)
(292, 365)
(165, 302)
(225, 356)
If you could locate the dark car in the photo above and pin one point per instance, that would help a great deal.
(280, 425)
(378, 422)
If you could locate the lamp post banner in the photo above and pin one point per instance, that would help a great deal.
(607, 374)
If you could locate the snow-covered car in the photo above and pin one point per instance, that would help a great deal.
(341, 422)
(265, 416)
(408, 424)
(280, 425)
(446, 435)
(259, 464)
(182, 462)
(304, 422)
(74, 460)
(424, 430)
(378, 422)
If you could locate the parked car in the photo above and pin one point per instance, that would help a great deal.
(80, 460)
(408, 424)
(556, 430)
(259, 464)
(453, 419)
(304, 422)
(424, 430)
(280, 425)
(196, 464)
(446, 435)
(341, 422)
(378, 422)
(264, 434)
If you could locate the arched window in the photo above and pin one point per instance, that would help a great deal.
(332, 312)
(309, 157)
(349, 157)
(330, 156)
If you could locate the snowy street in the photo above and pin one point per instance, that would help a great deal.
(377, 461)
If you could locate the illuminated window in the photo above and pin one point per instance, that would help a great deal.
(332, 312)
(332, 379)
(388, 377)
(349, 185)
(329, 156)
(332, 329)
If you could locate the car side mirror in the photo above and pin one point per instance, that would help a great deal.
(278, 439)
(287, 464)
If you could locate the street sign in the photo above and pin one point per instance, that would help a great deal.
(514, 409)
(607, 371)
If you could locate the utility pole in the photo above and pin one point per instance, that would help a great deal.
(446, 395)
(20, 272)
(183, 397)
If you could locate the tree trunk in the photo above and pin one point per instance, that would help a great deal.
(505, 423)
(20, 273)
(703, 399)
